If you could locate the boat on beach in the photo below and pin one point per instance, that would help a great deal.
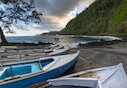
(107, 77)
(59, 52)
(26, 55)
(25, 73)
(53, 48)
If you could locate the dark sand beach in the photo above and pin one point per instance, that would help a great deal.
(101, 56)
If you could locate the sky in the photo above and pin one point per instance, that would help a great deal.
(56, 14)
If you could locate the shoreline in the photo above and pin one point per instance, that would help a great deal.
(27, 45)
(100, 43)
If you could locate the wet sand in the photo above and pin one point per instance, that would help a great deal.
(101, 56)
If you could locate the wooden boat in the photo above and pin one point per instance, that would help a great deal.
(53, 46)
(59, 52)
(25, 73)
(107, 77)
(51, 49)
(11, 57)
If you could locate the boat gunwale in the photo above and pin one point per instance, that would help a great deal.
(76, 80)
(26, 61)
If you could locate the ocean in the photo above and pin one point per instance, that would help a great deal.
(69, 40)
(30, 39)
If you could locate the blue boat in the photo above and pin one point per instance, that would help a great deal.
(26, 73)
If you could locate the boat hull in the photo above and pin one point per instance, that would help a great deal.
(62, 53)
(28, 81)
(106, 77)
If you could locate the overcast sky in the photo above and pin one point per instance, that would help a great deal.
(56, 14)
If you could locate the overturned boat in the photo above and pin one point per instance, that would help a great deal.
(107, 77)
(25, 73)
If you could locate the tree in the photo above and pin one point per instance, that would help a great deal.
(12, 12)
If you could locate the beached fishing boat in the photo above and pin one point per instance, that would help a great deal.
(11, 57)
(55, 47)
(59, 52)
(25, 73)
(107, 77)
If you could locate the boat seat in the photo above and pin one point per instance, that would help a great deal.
(10, 78)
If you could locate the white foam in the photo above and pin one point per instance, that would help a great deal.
(106, 37)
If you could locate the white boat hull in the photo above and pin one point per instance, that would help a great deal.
(108, 77)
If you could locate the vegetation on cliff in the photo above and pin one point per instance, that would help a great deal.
(101, 17)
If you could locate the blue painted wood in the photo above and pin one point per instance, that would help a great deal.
(25, 68)
(23, 83)
(18, 71)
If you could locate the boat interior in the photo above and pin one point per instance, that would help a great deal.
(100, 74)
(11, 71)
(87, 75)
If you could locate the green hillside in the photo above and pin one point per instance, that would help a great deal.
(101, 17)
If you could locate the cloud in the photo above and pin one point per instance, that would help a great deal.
(56, 7)
(36, 26)
(57, 13)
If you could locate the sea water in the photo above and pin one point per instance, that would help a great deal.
(66, 40)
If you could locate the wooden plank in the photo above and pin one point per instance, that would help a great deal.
(9, 47)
